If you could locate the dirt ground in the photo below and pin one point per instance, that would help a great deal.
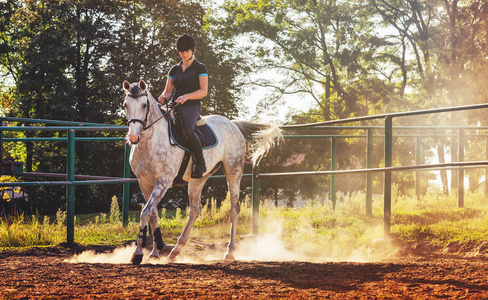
(412, 272)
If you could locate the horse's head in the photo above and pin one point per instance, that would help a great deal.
(136, 105)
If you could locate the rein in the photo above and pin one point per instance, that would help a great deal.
(166, 113)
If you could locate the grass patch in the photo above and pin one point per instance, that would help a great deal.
(22, 232)
(437, 220)
(315, 228)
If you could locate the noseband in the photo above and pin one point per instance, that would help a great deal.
(147, 110)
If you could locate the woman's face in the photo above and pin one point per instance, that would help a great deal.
(186, 55)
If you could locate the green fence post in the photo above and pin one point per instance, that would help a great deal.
(418, 142)
(70, 190)
(461, 170)
(387, 186)
(126, 191)
(255, 199)
(333, 163)
(369, 176)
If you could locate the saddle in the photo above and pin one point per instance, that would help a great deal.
(203, 131)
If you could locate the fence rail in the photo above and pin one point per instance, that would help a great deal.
(72, 180)
(388, 155)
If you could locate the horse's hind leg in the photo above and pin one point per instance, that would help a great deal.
(195, 196)
(233, 183)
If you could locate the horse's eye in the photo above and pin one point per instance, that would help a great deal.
(144, 105)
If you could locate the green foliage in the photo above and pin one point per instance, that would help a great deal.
(67, 59)
(22, 232)
(436, 219)
(315, 229)
(307, 41)
(106, 233)
(115, 216)
(380, 56)
(60, 217)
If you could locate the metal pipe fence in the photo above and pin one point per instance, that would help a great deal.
(73, 180)
(388, 155)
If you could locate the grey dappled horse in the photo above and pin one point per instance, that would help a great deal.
(156, 162)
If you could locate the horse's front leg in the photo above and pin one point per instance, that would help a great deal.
(195, 196)
(149, 213)
(158, 243)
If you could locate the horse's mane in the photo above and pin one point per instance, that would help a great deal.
(151, 98)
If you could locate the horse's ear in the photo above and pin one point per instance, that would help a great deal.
(142, 85)
(126, 85)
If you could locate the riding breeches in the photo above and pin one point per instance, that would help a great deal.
(189, 114)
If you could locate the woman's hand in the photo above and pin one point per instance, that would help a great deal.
(181, 99)
(162, 99)
(198, 94)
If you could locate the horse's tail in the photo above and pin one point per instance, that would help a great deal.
(262, 136)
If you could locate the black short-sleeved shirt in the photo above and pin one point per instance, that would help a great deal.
(188, 81)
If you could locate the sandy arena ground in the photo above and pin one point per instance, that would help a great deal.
(407, 272)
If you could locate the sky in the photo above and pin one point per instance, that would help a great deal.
(258, 94)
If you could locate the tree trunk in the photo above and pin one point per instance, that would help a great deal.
(454, 158)
(453, 84)
(442, 159)
(29, 148)
(473, 182)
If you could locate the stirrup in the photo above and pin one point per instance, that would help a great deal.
(198, 170)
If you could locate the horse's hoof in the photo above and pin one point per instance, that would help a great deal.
(152, 256)
(174, 253)
(172, 256)
(166, 250)
(170, 259)
(136, 259)
(229, 257)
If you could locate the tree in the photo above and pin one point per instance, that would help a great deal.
(444, 37)
(308, 41)
(426, 50)
(68, 58)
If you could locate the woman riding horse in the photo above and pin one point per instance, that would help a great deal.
(190, 81)
(156, 163)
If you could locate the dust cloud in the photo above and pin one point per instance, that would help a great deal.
(118, 256)
(267, 246)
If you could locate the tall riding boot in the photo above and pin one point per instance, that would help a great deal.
(199, 162)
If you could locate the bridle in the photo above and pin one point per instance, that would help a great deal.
(144, 127)
(166, 114)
